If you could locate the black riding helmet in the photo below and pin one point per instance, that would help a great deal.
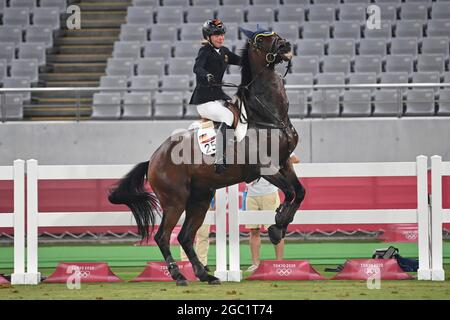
(213, 27)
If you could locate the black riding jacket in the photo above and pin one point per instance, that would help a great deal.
(209, 61)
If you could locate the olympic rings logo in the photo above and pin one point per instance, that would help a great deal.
(411, 235)
(284, 272)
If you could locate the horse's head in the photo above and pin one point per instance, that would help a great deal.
(268, 46)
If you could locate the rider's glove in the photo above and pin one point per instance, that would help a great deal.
(210, 78)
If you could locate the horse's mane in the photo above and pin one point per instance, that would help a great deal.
(246, 72)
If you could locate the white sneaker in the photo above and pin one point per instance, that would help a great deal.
(252, 268)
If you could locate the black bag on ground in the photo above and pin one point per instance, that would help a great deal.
(406, 264)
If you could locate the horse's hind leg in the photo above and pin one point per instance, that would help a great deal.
(171, 215)
(196, 209)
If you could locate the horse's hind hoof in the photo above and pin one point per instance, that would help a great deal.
(182, 283)
(214, 281)
(275, 234)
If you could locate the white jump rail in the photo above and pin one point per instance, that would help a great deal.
(419, 215)
(16, 219)
(439, 216)
(37, 219)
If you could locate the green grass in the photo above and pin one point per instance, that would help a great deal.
(128, 261)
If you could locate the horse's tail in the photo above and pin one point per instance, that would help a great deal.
(130, 192)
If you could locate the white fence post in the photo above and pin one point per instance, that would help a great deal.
(18, 277)
(32, 275)
(437, 270)
(423, 220)
(221, 234)
(235, 273)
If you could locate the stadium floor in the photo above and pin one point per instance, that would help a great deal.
(325, 253)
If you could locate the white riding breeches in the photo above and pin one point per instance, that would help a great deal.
(216, 111)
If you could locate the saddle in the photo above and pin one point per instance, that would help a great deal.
(231, 105)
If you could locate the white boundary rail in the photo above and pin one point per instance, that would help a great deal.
(419, 215)
(17, 218)
(57, 219)
(438, 217)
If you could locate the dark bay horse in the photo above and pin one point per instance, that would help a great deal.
(190, 187)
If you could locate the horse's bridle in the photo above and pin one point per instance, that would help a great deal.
(271, 55)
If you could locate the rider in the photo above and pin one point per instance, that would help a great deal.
(210, 65)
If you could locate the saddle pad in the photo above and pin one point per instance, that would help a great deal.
(206, 138)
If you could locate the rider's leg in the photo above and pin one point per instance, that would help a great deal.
(216, 111)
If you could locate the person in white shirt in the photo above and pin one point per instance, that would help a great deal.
(262, 195)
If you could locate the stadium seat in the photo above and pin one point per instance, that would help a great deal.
(444, 102)
(169, 105)
(106, 106)
(426, 77)
(394, 77)
(164, 32)
(16, 17)
(420, 102)
(260, 14)
(175, 3)
(39, 34)
(400, 63)
(409, 29)
(303, 79)
(60, 4)
(11, 34)
(372, 46)
(227, 3)
(440, 10)
(157, 49)
(336, 64)
(322, 13)
(296, 2)
(186, 49)
(386, 103)
(210, 3)
(272, 3)
(151, 66)
(144, 82)
(341, 47)
(3, 69)
(325, 104)
(30, 4)
(352, 12)
(310, 47)
(127, 49)
(180, 66)
(414, 11)
(193, 32)
(145, 3)
(46, 17)
(305, 64)
(120, 67)
(438, 28)
(357, 1)
(346, 30)
(175, 83)
(431, 62)
(140, 15)
(133, 32)
(287, 30)
(114, 82)
(170, 15)
(316, 30)
(297, 103)
(384, 33)
(356, 103)
(388, 11)
(291, 13)
(13, 108)
(362, 78)
(31, 50)
(7, 51)
(436, 45)
(332, 78)
(137, 105)
(369, 63)
(404, 46)
(199, 14)
(18, 82)
(27, 68)
(231, 14)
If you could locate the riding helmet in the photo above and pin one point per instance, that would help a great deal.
(213, 27)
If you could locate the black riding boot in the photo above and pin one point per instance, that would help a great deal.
(221, 156)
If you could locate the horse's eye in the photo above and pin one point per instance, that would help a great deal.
(259, 40)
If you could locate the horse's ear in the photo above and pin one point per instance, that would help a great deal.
(247, 33)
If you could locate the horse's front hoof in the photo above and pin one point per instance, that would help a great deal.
(275, 234)
(182, 283)
(214, 281)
